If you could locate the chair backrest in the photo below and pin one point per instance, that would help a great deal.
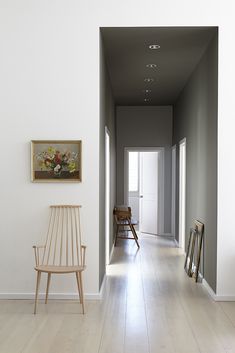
(122, 212)
(63, 242)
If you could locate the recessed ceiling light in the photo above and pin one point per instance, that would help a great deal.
(154, 46)
(148, 79)
(147, 90)
(151, 66)
(146, 99)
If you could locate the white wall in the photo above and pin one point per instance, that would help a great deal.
(45, 95)
(49, 88)
(195, 118)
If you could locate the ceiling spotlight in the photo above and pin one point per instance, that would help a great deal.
(148, 79)
(151, 66)
(154, 46)
(146, 99)
(147, 90)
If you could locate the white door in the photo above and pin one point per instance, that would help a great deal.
(149, 166)
(182, 193)
(133, 183)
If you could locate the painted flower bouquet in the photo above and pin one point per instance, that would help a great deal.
(55, 161)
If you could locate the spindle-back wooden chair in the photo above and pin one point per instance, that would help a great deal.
(63, 251)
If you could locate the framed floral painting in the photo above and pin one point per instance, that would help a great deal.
(56, 161)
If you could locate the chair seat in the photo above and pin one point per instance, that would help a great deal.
(125, 222)
(59, 269)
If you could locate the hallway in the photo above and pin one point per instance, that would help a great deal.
(150, 306)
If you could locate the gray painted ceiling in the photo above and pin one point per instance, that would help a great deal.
(127, 53)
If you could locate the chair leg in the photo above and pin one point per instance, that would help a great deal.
(134, 231)
(79, 287)
(134, 235)
(82, 294)
(48, 285)
(37, 289)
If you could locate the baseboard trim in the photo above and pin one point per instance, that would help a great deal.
(166, 235)
(111, 254)
(216, 297)
(176, 243)
(225, 298)
(209, 289)
(56, 296)
(102, 288)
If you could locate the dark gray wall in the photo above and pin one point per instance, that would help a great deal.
(138, 126)
(107, 118)
(195, 117)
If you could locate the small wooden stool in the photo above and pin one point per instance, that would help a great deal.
(122, 216)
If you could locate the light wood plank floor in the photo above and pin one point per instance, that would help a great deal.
(150, 306)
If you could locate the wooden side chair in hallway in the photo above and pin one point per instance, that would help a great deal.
(123, 219)
(63, 251)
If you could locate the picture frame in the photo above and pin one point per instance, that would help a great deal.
(54, 161)
(199, 227)
(188, 264)
(194, 250)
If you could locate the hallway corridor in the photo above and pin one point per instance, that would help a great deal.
(150, 306)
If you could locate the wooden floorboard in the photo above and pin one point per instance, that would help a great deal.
(150, 306)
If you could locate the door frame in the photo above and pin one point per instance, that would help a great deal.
(182, 211)
(161, 184)
(107, 196)
(173, 189)
(135, 193)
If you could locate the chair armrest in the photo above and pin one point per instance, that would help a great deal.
(36, 253)
(83, 255)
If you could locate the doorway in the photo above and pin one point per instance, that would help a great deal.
(182, 192)
(144, 188)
